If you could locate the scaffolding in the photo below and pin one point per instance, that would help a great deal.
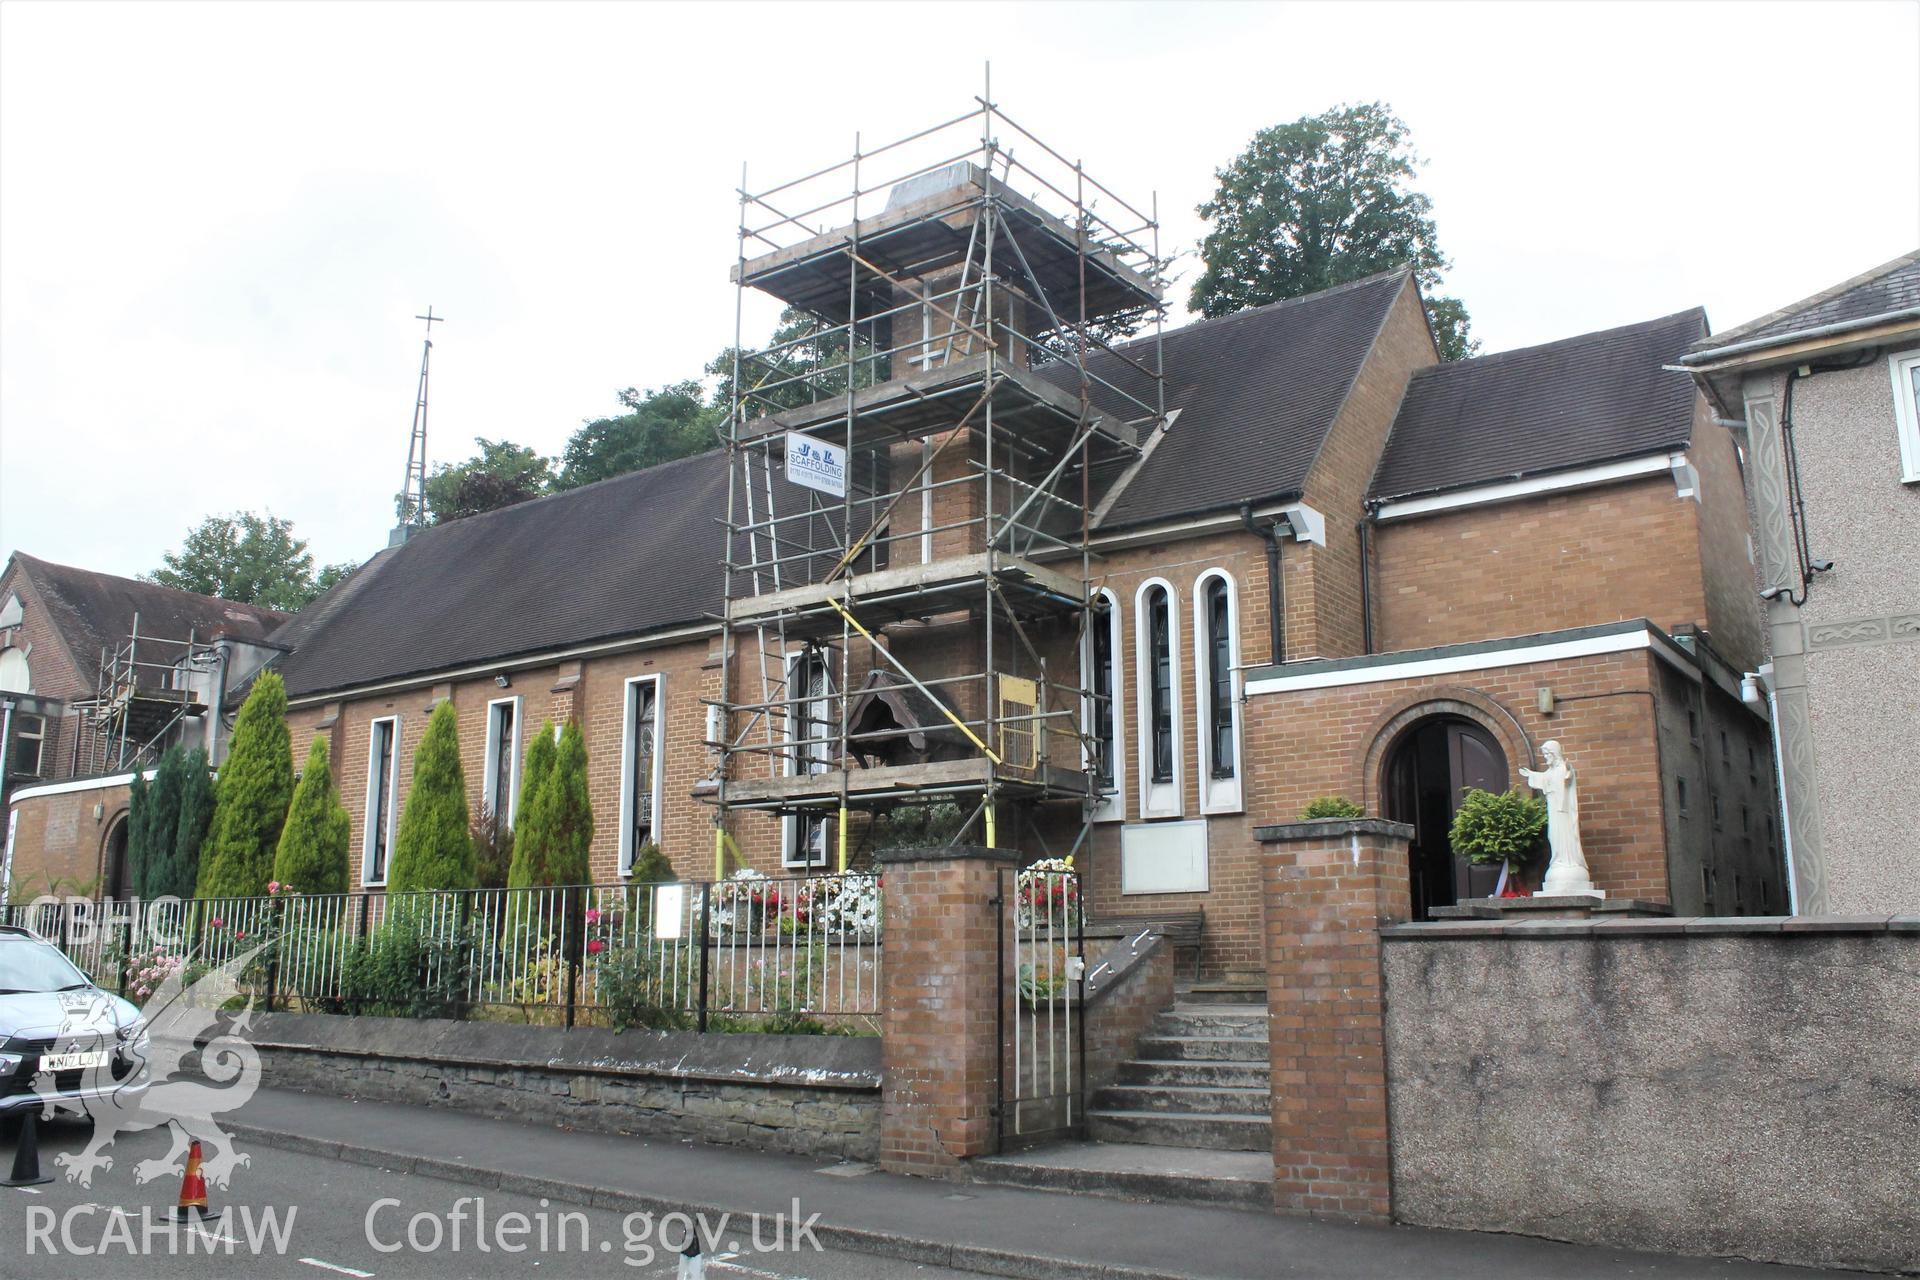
(144, 688)
(913, 468)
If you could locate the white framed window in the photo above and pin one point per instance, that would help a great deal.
(641, 764)
(500, 790)
(1216, 689)
(1906, 411)
(1104, 717)
(806, 837)
(383, 774)
(29, 741)
(1156, 653)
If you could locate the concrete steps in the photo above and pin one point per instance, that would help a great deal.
(1127, 1171)
(1219, 1073)
(1202, 1080)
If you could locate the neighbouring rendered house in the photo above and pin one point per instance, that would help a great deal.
(98, 675)
(1122, 601)
(1825, 396)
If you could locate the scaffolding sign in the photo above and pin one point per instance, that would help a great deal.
(816, 464)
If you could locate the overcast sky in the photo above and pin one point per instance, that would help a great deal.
(218, 221)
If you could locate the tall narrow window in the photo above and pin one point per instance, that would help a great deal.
(1160, 673)
(381, 748)
(806, 836)
(500, 790)
(1216, 645)
(1100, 659)
(1219, 682)
(1158, 658)
(640, 770)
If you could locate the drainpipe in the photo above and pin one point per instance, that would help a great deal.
(1276, 587)
(1365, 529)
(223, 651)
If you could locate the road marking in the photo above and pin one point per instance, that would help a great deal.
(345, 1271)
(32, 1191)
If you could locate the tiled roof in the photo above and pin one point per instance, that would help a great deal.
(1577, 402)
(1257, 393)
(94, 610)
(1891, 286)
(625, 556)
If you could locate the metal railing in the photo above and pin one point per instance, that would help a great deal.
(781, 954)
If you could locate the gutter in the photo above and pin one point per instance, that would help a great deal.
(1694, 361)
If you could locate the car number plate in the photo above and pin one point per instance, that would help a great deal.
(73, 1061)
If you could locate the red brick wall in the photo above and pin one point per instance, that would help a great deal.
(1327, 895)
(59, 845)
(1572, 559)
(1337, 485)
(942, 1002)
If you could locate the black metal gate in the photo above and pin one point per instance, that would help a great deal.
(1042, 1031)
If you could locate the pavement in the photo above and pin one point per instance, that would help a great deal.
(916, 1226)
(321, 1229)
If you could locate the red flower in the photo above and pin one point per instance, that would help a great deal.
(595, 946)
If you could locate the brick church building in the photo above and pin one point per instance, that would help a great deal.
(1328, 565)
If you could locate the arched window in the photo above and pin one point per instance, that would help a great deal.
(15, 675)
(1105, 719)
(1216, 650)
(1157, 664)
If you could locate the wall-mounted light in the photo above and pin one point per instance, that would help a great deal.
(503, 680)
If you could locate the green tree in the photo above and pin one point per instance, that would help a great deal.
(251, 558)
(433, 849)
(153, 823)
(530, 823)
(1316, 203)
(569, 810)
(500, 475)
(331, 576)
(674, 421)
(190, 833)
(555, 829)
(256, 784)
(312, 856)
(803, 361)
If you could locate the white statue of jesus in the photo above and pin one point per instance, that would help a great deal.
(1567, 866)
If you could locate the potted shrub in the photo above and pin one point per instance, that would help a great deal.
(1331, 807)
(1504, 829)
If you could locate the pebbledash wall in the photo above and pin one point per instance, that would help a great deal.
(1725, 1086)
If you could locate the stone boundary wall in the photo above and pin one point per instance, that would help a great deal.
(1729, 1086)
(809, 1095)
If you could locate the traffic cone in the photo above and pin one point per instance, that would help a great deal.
(193, 1191)
(26, 1155)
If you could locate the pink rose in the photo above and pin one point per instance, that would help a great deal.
(273, 886)
(593, 915)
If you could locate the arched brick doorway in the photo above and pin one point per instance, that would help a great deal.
(1428, 767)
(116, 878)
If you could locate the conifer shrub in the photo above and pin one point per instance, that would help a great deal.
(529, 832)
(182, 867)
(433, 848)
(1331, 807)
(313, 853)
(1491, 829)
(250, 808)
(139, 819)
(555, 831)
(492, 849)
